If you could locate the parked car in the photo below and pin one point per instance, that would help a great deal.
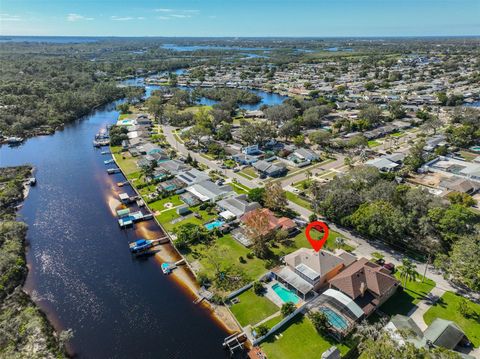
(390, 267)
(236, 169)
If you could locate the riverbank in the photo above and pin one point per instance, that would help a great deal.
(26, 331)
(183, 275)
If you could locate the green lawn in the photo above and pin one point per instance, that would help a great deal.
(274, 321)
(244, 175)
(239, 188)
(299, 340)
(160, 205)
(125, 161)
(299, 185)
(403, 301)
(373, 143)
(227, 251)
(252, 308)
(250, 171)
(398, 134)
(297, 200)
(469, 156)
(447, 308)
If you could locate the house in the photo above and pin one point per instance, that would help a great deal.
(174, 166)
(440, 333)
(269, 169)
(434, 142)
(383, 164)
(306, 155)
(236, 207)
(453, 166)
(316, 268)
(367, 283)
(251, 150)
(274, 223)
(207, 191)
(192, 176)
(148, 149)
(459, 184)
(244, 159)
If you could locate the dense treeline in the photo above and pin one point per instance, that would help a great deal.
(24, 330)
(409, 218)
(44, 86)
(236, 96)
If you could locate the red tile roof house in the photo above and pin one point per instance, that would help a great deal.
(367, 283)
(274, 223)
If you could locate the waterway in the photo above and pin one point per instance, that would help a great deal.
(81, 271)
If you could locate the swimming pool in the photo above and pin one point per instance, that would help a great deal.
(475, 148)
(285, 294)
(214, 224)
(336, 320)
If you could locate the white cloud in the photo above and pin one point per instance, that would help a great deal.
(163, 18)
(8, 17)
(180, 16)
(120, 18)
(164, 10)
(140, 18)
(77, 17)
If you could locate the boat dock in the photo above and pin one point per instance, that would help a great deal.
(203, 293)
(234, 342)
(107, 162)
(131, 218)
(111, 171)
(105, 152)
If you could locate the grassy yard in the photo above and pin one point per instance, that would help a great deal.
(447, 308)
(403, 301)
(299, 340)
(239, 188)
(398, 134)
(126, 162)
(252, 308)
(373, 143)
(160, 205)
(227, 251)
(244, 175)
(297, 200)
(250, 171)
(300, 241)
(468, 156)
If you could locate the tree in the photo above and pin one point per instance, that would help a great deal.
(275, 197)
(320, 321)
(372, 113)
(124, 108)
(280, 113)
(432, 123)
(312, 117)
(464, 308)
(415, 158)
(461, 265)
(396, 110)
(155, 106)
(287, 309)
(256, 133)
(407, 271)
(290, 129)
(257, 226)
(191, 233)
(149, 169)
(257, 195)
(261, 330)
(258, 288)
(320, 137)
(461, 198)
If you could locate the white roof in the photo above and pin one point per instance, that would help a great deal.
(227, 214)
(346, 301)
(294, 280)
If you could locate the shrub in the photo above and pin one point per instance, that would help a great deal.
(258, 288)
(287, 309)
(261, 330)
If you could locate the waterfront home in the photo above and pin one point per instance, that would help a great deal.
(207, 191)
(274, 223)
(192, 176)
(440, 333)
(149, 148)
(269, 169)
(315, 268)
(174, 166)
(236, 206)
(367, 283)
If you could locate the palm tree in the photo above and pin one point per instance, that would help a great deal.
(407, 271)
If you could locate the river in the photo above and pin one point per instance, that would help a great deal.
(81, 271)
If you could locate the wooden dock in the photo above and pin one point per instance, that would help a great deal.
(234, 342)
(111, 171)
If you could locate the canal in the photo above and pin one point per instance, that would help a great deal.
(81, 271)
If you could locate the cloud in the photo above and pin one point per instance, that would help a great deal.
(163, 18)
(120, 18)
(8, 17)
(77, 17)
(164, 10)
(180, 16)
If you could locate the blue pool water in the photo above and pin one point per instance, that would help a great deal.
(336, 320)
(214, 224)
(475, 148)
(285, 294)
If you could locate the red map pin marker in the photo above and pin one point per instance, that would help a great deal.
(317, 244)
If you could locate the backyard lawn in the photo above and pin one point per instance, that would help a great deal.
(239, 188)
(252, 308)
(250, 171)
(297, 200)
(447, 308)
(403, 301)
(227, 251)
(299, 340)
(160, 205)
(126, 162)
(373, 143)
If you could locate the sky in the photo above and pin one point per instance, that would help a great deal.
(294, 18)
